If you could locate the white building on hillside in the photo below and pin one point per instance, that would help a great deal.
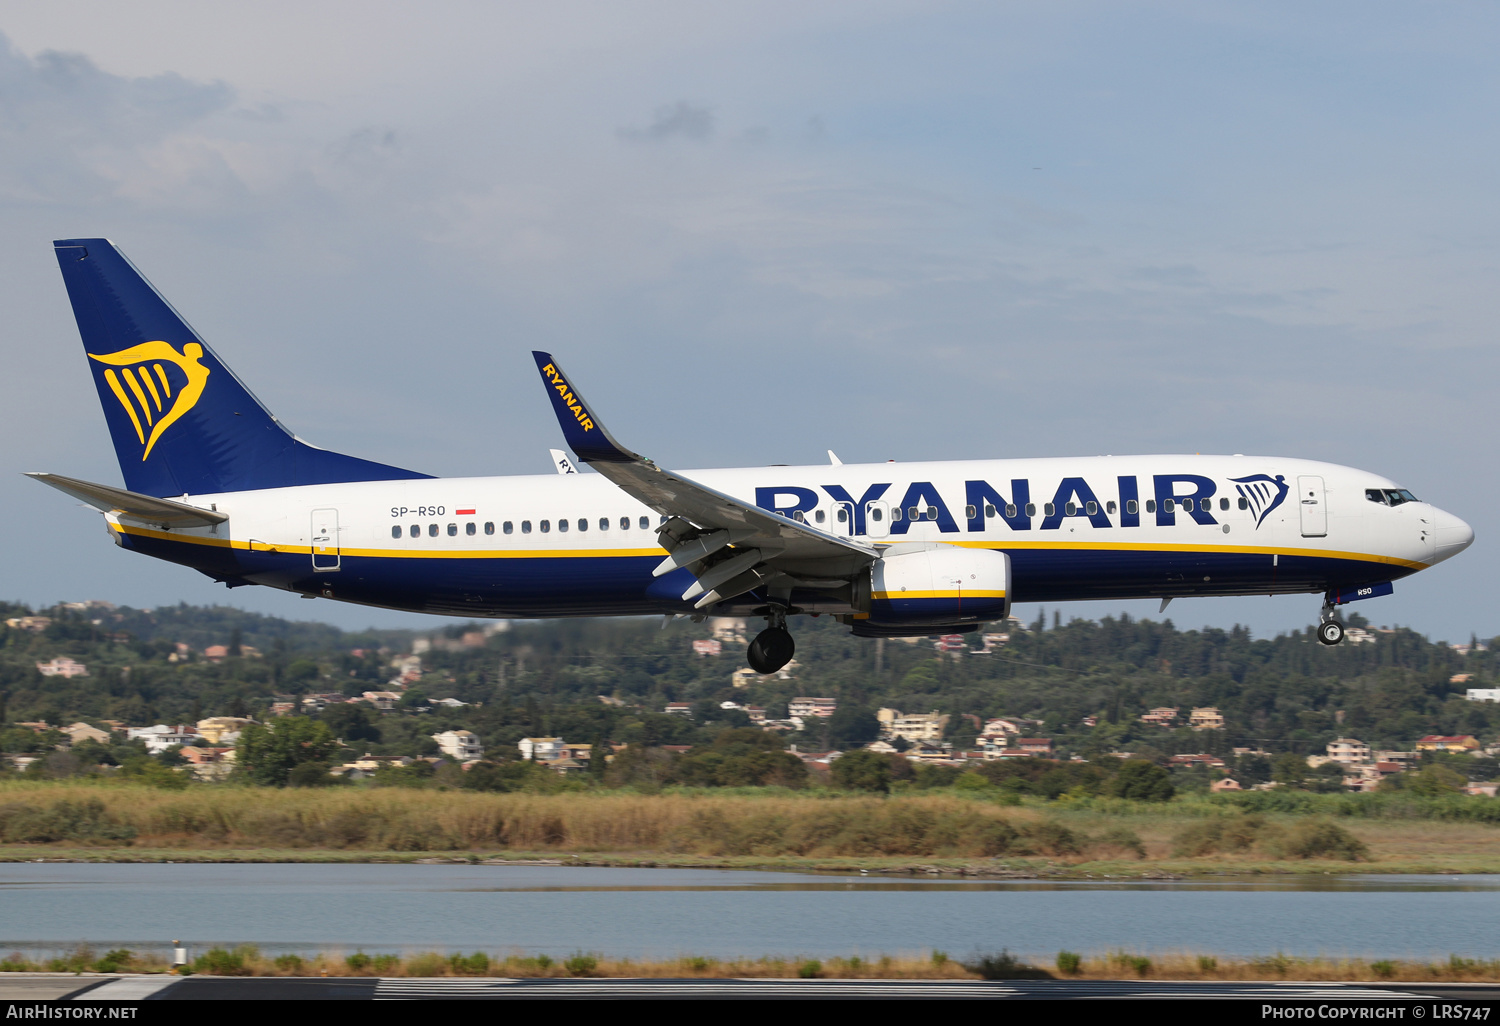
(161, 737)
(461, 745)
(542, 749)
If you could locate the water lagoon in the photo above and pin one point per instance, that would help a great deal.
(664, 913)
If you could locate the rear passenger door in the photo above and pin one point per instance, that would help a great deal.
(325, 539)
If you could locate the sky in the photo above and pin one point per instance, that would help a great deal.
(758, 231)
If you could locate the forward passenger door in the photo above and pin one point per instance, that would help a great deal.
(1314, 506)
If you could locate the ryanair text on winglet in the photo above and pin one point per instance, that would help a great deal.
(568, 399)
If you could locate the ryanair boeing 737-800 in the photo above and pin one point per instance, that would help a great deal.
(214, 482)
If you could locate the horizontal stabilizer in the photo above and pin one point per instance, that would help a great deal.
(164, 512)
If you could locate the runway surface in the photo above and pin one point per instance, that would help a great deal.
(205, 988)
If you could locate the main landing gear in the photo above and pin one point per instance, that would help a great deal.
(773, 647)
(1330, 631)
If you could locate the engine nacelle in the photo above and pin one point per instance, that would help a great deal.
(932, 583)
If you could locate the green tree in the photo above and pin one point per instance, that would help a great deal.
(1290, 769)
(862, 771)
(268, 753)
(1142, 781)
(854, 725)
(1434, 781)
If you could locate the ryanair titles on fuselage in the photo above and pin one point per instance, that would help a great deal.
(1168, 496)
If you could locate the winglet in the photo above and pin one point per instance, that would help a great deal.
(588, 439)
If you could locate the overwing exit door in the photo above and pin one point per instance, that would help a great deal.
(1314, 507)
(325, 539)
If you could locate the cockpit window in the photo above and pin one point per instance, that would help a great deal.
(1389, 496)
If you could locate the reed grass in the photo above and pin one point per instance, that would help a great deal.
(763, 827)
(247, 960)
(401, 820)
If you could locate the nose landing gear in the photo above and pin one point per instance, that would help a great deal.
(1330, 631)
(773, 647)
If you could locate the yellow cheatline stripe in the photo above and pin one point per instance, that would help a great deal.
(135, 386)
(587, 553)
(1260, 550)
(261, 546)
(889, 595)
(151, 387)
(114, 385)
(503, 553)
(163, 375)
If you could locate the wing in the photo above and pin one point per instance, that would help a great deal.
(730, 546)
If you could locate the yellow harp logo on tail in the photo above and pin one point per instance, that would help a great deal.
(145, 389)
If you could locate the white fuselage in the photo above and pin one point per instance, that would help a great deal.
(1073, 528)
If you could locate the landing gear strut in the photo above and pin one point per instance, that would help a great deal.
(773, 647)
(1330, 631)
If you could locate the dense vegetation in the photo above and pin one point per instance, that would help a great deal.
(596, 681)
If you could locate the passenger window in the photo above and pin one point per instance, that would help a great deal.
(508, 527)
(970, 512)
(544, 526)
(1031, 509)
(604, 523)
(415, 530)
(820, 516)
(797, 516)
(1050, 509)
(843, 515)
(526, 527)
(1223, 504)
(471, 529)
(664, 519)
(583, 525)
(1092, 508)
(895, 514)
(562, 526)
(875, 514)
(396, 531)
(1010, 511)
(1109, 507)
(1244, 502)
(989, 511)
(1071, 509)
(1131, 507)
(1187, 505)
(452, 530)
(645, 523)
(931, 512)
(1170, 505)
(432, 530)
(624, 523)
(1150, 505)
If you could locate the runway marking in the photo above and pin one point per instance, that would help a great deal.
(130, 988)
(445, 987)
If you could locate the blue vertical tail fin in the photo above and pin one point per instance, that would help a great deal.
(182, 423)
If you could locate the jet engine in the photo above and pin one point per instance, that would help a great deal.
(929, 584)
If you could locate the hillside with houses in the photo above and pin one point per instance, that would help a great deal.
(209, 694)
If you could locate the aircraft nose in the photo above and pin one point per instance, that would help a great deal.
(1453, 536)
